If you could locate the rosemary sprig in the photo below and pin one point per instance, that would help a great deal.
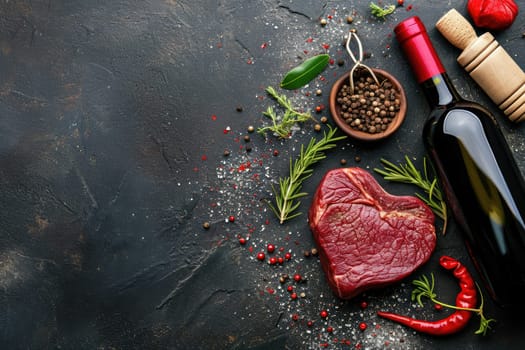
(289, 191)
(407, 173)
(381, 12)
(282, 126)
(425, 288)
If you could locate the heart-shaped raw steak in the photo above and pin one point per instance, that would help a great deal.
(368, 238)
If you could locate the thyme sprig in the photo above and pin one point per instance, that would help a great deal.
(289, 192)
(381, 12)
(407, 173)
(282, 125)
(425, 288)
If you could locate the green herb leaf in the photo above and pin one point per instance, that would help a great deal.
(302, 74)
(408, 173)
(282, 125)
(289, 189)
(381, 12)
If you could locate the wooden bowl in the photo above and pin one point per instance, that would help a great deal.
(397, 120)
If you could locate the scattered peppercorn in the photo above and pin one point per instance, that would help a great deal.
(226, 153)
(323, 22)
(280, 260)
(242, 241)
(231, 218)
(246, 138)
(438, 307)
(288, 256)
(283, 278)
(317, 127)
(295, 317)
(318, 108)
(318, 92)
(357, 159)
(307, 253)
(349, 19)
(251, 129)
(400, 2)
(314, 251)
(248, 148)
(297, 277)
(289, 289)
(362, 326)
(261, 256)
(238, 108)
(342, 161)
(340, 62)
(323, 313)
(302, 295)
(329, 329)
(310, 323)
(293, 296)
(270, 248)
(324, 120)
(275, 153)
(206, 225)
(272, 260)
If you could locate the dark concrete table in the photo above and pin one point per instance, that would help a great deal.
(114, 119)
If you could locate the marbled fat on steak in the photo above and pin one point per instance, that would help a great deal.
(368, 238)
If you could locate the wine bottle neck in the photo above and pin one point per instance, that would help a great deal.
(439, 90)
(428, 69)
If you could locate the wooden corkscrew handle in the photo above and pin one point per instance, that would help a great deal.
(456, 29)
(491, 67)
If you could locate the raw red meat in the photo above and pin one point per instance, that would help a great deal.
(366, 237)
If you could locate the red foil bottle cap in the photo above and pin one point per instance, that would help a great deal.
(415, 43)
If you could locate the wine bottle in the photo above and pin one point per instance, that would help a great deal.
(482, 183)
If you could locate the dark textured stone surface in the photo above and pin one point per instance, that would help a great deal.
(114, 118)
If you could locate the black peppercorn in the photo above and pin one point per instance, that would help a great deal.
(370, 107)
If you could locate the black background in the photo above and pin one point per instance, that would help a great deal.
(114, 117)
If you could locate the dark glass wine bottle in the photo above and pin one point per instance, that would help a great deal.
(483, 185)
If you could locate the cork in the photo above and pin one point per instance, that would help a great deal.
(456, 29)
(489, 65)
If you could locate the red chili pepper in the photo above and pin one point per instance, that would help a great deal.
(466, 298)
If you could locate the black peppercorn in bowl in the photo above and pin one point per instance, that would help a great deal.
(370, 109)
